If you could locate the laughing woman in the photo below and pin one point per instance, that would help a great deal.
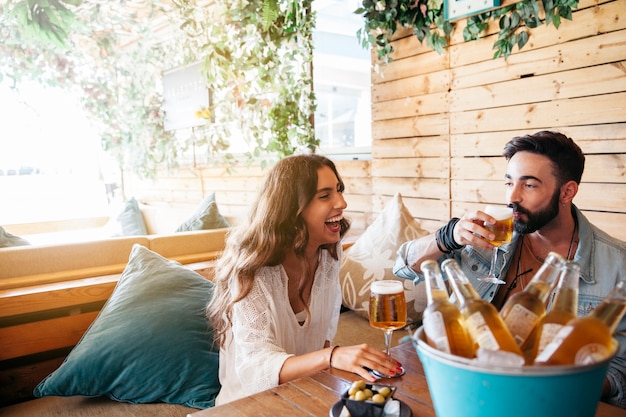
(277, 297)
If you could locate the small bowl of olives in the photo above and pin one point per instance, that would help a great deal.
(367, 400)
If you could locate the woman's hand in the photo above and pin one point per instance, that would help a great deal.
(469, 230)
(356, 358)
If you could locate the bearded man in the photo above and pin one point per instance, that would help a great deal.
(542, 178)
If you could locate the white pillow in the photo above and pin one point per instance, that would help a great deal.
(372, 256)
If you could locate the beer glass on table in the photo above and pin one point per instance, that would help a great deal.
(387, 311)
(503, 229)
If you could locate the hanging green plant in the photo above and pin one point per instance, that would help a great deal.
(383, 18)
(256, 60)
(426, 18)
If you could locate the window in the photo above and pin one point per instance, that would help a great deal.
(51, 163)
(342, 81)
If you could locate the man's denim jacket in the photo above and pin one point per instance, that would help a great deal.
(602, 261)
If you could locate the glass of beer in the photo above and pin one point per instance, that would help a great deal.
(387, 311)
(503, 229)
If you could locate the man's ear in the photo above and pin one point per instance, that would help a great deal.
(568, 192)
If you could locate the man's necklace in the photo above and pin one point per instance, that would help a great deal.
(519, 274)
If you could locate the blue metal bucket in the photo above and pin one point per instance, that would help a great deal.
(461, 388)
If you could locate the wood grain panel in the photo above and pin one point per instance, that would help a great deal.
(44, 335)
(360, 203)
(411, 106)
(411, 147)
(486, 168)
(53, 296)
(428, 209)
(356, 169)
(429, 125)
(412, 86)
(601, 197)
(423, 63)
(605, 168)
(357, 185)
(413, 187)
(52, 277)
(608, 108)
(603, 138)
(588, 81)
(411, 167)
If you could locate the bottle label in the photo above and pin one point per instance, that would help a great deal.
(481, 333)
(520, 322)
(591, 353)
(554, 344)
(548, 331)
(435, 329)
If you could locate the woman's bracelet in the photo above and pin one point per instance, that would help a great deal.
(444, 237)
(330, 358)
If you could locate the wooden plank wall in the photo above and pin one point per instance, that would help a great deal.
(440, 123)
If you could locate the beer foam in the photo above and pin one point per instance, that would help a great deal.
(387, 286)
(499, 212)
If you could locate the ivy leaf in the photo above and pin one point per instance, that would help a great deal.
(522, 39)
(435, 4)
(515, 19)
(505, 22)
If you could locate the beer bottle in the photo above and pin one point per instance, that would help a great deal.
(586, 340)
(562, 310)
(444, 325)
(483, 322)
(523, 310)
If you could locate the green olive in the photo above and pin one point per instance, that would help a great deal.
(359, 384)
(378, 398)
(361, 396)
(385, 391)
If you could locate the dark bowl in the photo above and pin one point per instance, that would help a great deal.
(367, 408)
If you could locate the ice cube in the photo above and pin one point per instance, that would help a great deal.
(392, 409)
(498, 358)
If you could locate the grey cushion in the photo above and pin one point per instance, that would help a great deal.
(207, 216)
(8, 240)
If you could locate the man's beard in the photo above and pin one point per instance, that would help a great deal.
(538, 219)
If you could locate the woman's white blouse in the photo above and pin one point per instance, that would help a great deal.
(265, 330)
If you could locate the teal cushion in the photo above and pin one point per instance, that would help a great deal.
(7, 239)
(131, 220)
(150, 343)
(207, 216)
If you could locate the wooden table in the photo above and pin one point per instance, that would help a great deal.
(315, 395)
